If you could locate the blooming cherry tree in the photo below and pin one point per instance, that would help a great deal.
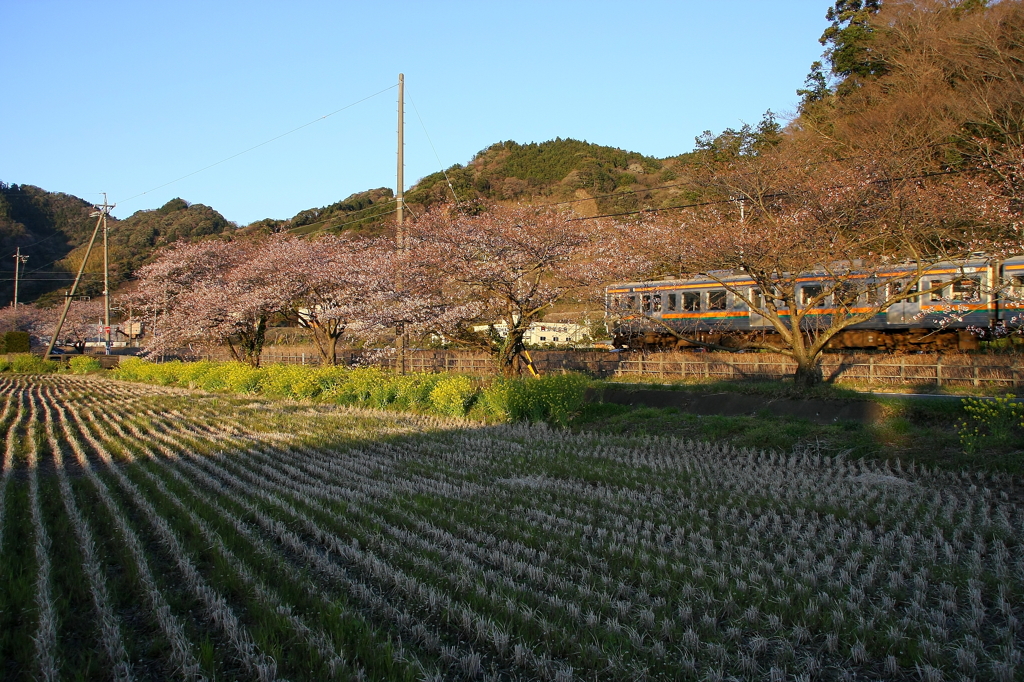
(849, 226)
(211, 293)
(507, 264)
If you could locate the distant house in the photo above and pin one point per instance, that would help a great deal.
(546, 333)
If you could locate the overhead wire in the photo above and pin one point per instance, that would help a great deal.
(347, 215)
(787, 167)
(261, 144)
(439, 164)
(772, 195)
(352, 222)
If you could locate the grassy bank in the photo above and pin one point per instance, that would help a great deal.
(951, 434)
(983, 435)
(554, 399)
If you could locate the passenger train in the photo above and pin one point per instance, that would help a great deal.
(954, 302)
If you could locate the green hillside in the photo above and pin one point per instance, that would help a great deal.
(560, 170)
(53, 229)
(47, 226)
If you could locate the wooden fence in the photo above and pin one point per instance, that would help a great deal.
(933, 368)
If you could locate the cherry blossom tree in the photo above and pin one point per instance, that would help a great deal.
(508, 265)
(84, 321)
(849, 226)
(336, 286)
(211, 293)
(24, 318)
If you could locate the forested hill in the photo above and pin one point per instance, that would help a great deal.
(589, 178)
(47, 226)
(53, 229)
(556, 171)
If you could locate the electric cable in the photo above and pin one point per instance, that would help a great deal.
(347, 215)
(787, 167)
(439, 164)
(773, 195)
(261, 144)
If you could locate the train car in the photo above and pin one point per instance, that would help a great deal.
(956, 303)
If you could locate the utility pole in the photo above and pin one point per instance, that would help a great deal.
(18, 260)
(101, 220)
(400, 192)
(106, 279)
(400, 236)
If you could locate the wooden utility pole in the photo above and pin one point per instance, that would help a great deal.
(400, 236)
(18, 260)
(101, 221)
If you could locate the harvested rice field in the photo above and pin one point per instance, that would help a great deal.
(151, 533)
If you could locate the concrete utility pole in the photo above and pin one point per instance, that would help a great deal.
(400, 192)
(106, 280)
(101, 221)
(18, 260)
(400, 236)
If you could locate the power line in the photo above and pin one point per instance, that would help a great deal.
(347, 215)
(788, 167)
(439, 164)
(773, 195)
(261, 144)
(352, 222)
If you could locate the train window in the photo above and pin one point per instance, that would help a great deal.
(938, 291)
(756, 298)
(1017, 286)
(845, 294)
(656, 303)
(898, 288)
(716, 299)
(876, 293)
(631, 302)
(647, 303)
(808, 293)
(691, 301)
(672, 303)
(966, 289)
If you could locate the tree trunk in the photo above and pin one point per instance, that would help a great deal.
(509, 351)
(808, 372)
(325, 337)
(250, 344)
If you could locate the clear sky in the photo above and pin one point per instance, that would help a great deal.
(123, 97)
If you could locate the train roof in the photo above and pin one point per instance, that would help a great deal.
(972, 264)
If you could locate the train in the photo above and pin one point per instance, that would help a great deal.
(957, 305)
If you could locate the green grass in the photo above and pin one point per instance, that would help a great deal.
(923, 431)
(785, 388)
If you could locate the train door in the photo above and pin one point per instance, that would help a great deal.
(757, 321)
(906, 311)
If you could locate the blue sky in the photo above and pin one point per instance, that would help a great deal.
(123, 97)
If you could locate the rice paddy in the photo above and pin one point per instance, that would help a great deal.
(153, 533)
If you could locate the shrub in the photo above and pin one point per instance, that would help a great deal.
(16, 342)
(83, 364)
(453, 395)
(554, 399)
(997, 422)
(31, 364)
